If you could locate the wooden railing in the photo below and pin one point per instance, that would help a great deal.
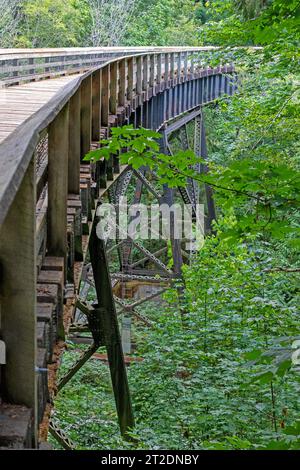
(45, 190)
(21, 65)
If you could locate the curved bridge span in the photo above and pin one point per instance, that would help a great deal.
(55, 106)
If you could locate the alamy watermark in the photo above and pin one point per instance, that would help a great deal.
(152, 222)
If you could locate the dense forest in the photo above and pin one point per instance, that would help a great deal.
(228, 376)
(76, 23)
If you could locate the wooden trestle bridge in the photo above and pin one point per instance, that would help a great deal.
(55, 105)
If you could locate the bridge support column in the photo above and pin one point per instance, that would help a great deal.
(18, 298)
(111, 334)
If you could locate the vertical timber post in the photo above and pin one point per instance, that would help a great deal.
(139, 75)
(18, 297)
(96, 105)
(74, 144)
(130, 83)
(58, 184)
(105, 96)
(86, 115)
(152, 70)
(122, 84)
(58, 192)
(113, 102)
(145, 72)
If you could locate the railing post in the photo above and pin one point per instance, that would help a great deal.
(15, 63)
(192, 69)
(31, 62)
(58, 184)
(185, 69)
(96, 105)
(74, 144)
(105, 96)
(18, 297)
(113, 102)
(122, 82)
(47, 61)
(86, 115)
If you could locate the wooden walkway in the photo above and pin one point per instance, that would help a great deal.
(18, 103)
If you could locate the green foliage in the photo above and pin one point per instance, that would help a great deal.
(161, 22)
(53, 23)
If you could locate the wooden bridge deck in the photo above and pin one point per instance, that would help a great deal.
(19, 102)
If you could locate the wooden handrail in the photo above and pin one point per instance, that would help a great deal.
(21, 65)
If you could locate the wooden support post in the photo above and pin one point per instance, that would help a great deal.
(110, 328)
(105, 96)
(122, 82)
(31, 62)
(113, 102)
(172, 66)
(185, 69)
(152, 70)
(139, 75)
(130, 84)
(192, 69)
(74, 144)
(58, 184)
(96, 105)
(159, 69)
(110, 168)
(167, 69)
(86, 115)
(179, 66)
(47, 61)
(18, 297)
(102, 174)
(145, 72)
